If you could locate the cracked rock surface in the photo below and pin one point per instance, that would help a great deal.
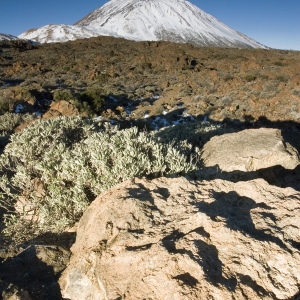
(184, 239)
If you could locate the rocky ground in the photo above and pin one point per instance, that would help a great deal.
(31, 270)
(232, 234)
(152, 79)
(245, 249)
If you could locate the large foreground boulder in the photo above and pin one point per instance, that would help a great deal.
(176, 239)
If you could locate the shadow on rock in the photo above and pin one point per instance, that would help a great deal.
(248, 281)
(37, 269)
(234, 210)
(144, 195)
(206, 256)
(296, 297)
(276, 175)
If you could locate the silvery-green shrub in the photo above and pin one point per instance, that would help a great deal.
(8, 122)
(74, 160)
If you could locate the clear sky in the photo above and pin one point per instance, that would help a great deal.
(274, 23)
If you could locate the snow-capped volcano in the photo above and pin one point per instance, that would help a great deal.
(152, 20)
(8, 37)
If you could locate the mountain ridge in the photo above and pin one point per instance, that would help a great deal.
(9, 37)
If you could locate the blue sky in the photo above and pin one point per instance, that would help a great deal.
(275, 23)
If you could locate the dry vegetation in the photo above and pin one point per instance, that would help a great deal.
(215, 82)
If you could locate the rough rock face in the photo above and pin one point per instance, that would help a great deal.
(63, 107)
(249, 150)
(183, 239)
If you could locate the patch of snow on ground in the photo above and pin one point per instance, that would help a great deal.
(19, 108)
(38, 113)
(112, 98)
(47, 101)
(128, 111)
(159, 123)
(180, 121)
(99, 118)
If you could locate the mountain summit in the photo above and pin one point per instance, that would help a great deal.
(148, 20)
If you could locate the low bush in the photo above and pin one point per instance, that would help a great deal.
(145, 103)
(282, 78)
(270, 89)
(102, 78)
(296, 92)
(190, 144)
(94, 98)
(159, 109)
(9, 121)
(279, 63)
(74, 161)
(226, 76)
(146, 65)
(4, 105)
(62, 95)
(185, 91)
(89, 102)
(250, 77)
(188, 67)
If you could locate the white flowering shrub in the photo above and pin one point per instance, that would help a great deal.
(53, 169)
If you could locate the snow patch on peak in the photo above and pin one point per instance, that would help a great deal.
(8, 37)
(57, 33)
